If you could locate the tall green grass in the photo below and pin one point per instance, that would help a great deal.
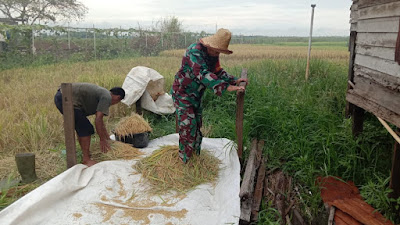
(304, 128)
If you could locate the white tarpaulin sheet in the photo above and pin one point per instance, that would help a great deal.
(147, 84)
(111, 192)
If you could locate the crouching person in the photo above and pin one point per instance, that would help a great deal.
(90, 99)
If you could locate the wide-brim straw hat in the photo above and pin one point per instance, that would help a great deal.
(219, 41)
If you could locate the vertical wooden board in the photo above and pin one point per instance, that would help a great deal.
(378, 11)
(352, 49)
(69, 123)
(381, 65)
(397, 50)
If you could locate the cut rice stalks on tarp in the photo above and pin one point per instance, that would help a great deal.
(165, 171)
(118, 150)
(134, 124)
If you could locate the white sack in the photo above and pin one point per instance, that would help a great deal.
(136, 85)
(111, 192)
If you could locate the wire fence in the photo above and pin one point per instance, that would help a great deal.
(93, 43)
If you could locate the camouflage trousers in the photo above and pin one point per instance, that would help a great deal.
(190, 136)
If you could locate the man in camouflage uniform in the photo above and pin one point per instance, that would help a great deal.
(200, 69)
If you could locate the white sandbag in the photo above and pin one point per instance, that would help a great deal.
(149, 84)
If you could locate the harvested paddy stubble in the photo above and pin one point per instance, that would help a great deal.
(165, 171)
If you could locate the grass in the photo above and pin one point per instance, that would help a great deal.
(303, 123)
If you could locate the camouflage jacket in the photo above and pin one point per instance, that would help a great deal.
(198, 71)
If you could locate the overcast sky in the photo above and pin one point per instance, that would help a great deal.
(256, 17)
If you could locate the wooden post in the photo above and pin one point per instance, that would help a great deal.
(69, 123)
(395, 175)
(352, 48)
(139, 106)
(358, 120)
(239, 114)
(309, 41)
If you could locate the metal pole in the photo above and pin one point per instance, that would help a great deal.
(309, 41)
(94, 43)
(33, 42)
(69, 39)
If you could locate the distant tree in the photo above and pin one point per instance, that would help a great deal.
(31, 11)
(168, 25)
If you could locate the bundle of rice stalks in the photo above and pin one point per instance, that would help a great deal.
(118, 150)
(165, 171)
(133, 124)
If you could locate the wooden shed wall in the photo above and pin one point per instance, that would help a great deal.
(376, 74)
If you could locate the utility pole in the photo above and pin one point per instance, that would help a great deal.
(309, 41)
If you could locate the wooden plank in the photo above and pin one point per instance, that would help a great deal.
(369, 3)
(397, 50)
(379, 25)
(258, 192)
(386, 80)
(378, 52)
(69, 123)
(377, 39)
(379, 11)
(373, 107)
(377, 93)
(352, 46)
(239, 115)
(395, 173)
(247, 187)
(380, 65)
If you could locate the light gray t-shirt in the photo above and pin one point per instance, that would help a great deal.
(91, 98)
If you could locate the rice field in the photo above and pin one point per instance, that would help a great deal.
(302, 123)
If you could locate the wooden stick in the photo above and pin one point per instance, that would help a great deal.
(395, 136)
(69, 123)
(239, 115)
(247, 186)
(351, 84)
(331, 215)
(257, 197)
